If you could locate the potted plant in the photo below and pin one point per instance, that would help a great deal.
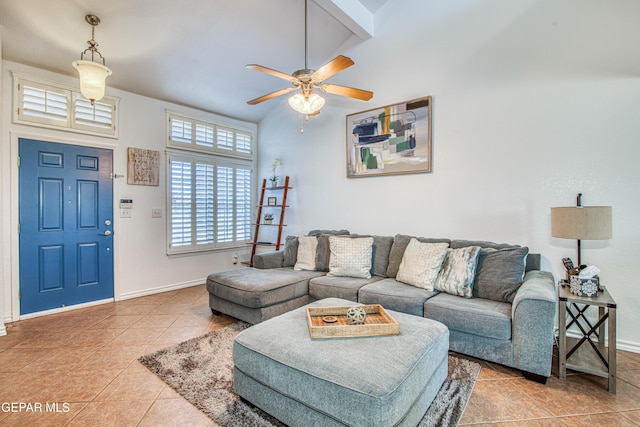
(268, 218)
(274, 176)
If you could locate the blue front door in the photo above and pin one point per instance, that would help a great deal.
(66, 225)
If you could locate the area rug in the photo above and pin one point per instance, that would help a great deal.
(201, 370)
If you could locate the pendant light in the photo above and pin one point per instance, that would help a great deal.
(93, 75)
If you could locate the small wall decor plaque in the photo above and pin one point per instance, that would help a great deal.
(143, 166)
(272, 201)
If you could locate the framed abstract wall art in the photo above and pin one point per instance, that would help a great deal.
(389, 140)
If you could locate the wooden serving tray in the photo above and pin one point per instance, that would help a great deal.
(377, 323)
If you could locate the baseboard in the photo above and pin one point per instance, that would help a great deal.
(3, 330)
(160, 289)
(633, 347)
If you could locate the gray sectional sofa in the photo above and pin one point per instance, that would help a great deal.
(509, 320)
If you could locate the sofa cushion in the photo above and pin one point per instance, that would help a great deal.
(290, 251)
(500, 272)
(350, 257)
(338, 287)
(400, 242)
(477, 316)
(395, 295)
(256, 288)
(306, 258)
(421, 263)
(458, 271)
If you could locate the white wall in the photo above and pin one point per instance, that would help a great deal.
(3, 330)
(534, 101)
(141, 264)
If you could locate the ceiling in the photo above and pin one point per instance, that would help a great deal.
(190, 52)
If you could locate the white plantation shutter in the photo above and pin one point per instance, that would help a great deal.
(43, 104)
(243, 204)
(225, 139)
(211, 203)
(92, 117)
(225, 205)
(204, 135)
(180, 131)
(180, 195)
(204, 203)
(243, 142)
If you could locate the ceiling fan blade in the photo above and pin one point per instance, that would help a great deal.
(270, 72)
(364, 95)
(270, 95)
(333, 67)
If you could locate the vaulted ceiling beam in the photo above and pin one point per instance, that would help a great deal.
(352, 14)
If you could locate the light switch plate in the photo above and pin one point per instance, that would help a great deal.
(125, 213)
(156, 213)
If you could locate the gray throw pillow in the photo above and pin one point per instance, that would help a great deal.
(400, 242)
(290, 251)
(499, 273)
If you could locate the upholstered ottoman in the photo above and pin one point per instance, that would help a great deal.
(367, 381)
(254, 295)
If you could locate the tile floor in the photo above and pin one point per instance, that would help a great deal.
(83, 363)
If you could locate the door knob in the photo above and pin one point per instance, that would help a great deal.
(106, 233)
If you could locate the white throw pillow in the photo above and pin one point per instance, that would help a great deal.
(306, 259)
(350, 257)
(421, 263)
(458, 271)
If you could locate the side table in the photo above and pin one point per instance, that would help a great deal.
(593, 357)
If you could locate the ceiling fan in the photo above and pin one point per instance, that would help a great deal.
(307, 101)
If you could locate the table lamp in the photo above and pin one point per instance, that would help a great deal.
(581, 223)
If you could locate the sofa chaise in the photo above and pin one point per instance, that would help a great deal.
(504, 313)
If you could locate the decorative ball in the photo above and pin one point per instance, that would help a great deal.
(356, 315)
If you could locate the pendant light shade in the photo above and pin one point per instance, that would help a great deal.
(93, 75)
(93, 79)
(306, 104)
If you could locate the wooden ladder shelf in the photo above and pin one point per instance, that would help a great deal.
(259, 222)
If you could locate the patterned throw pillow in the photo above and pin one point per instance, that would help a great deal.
(350, 257)
(458, 271)
(306, 259)
(421, 264)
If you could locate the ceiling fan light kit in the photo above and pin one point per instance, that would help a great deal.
(306, 104)
(306, 101)
(93, 75)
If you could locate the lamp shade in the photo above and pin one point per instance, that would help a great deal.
(93, 78)
(306, 104)
(581, 222)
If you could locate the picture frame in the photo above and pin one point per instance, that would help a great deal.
(143, 167)
(272, 201)
(390, 140)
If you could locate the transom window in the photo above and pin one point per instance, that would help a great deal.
(193, 134)
(48, 105)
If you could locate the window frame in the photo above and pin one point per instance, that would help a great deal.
(72, 97)
(187, 149)
(216, 162)
(218, 128)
